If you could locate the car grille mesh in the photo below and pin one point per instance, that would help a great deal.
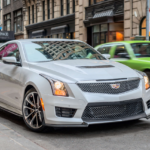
(114, 111)
(106, 87)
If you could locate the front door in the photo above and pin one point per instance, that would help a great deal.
(10, 85)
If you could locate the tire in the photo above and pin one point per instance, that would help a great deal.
(32, 111)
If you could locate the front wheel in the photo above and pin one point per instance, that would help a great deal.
(32, 111)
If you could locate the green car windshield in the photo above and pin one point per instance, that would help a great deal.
(141, 49)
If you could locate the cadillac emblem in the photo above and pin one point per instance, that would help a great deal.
(115, 86)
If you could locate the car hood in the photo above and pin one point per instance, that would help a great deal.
(71, 71)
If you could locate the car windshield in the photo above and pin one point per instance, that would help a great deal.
(39, 51)
(141, 49)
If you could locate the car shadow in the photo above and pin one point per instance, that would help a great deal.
(97, 130)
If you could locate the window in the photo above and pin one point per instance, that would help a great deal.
(66, 50)
(10, 50)
(62, 7)
(29, 14)
(73, 6)
(48, 8)
(104, 49)
(43, 10)
(120, 52)
(100, 34)
(143, 27)
(36, 13)
(68, 6)
(141, 49)
(18, 21)
(53, 8)
(32, 13)
(7, 22)
(6, 2)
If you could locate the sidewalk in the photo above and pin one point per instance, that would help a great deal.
(9, 139)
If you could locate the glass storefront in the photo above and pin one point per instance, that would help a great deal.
(107, 33)
(64, 35)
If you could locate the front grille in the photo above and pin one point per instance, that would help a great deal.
(65, 112)
(148, 104)
(106, 87)
(113, 110)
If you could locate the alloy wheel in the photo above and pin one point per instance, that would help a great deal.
(32, 110)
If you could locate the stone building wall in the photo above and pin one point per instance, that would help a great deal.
(134, 12)
(80, 29)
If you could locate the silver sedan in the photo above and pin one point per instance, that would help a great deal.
(66, 83)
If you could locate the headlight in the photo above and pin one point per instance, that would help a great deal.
(146, 79)
(58, 87)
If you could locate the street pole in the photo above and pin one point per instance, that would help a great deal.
(147, 21)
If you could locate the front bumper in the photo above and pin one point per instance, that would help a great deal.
(79, 100)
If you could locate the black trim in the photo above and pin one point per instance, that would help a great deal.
(12, 63)
(115, 103)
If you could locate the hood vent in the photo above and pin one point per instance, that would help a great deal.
(102, 66)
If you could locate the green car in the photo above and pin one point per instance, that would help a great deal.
(135, 54)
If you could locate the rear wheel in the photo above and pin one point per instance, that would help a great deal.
(32, 111)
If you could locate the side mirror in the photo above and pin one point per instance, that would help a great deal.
(107, 56)
(11, 61)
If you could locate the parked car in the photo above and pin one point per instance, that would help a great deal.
(135, 54)
(66, 83)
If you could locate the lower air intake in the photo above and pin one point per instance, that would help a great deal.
(113, 110)
(65, 112)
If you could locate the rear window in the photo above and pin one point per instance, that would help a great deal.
(141, 49)
(104, 49)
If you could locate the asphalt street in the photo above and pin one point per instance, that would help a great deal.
(133, 135)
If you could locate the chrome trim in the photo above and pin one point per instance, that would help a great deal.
(109, 80)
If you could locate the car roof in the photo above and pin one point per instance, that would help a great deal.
(43, 39)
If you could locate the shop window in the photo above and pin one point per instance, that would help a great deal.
(48, 8)
(100, 34)
(7, 22)
(116, 36)
(18, 21)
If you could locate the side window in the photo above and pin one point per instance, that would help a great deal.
(10, 50)
(120, 52)
(104, 49)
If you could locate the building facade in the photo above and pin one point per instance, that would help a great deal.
(13, 17)
(55, 19)
(134, 18)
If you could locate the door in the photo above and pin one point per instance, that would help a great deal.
(120, 54)
(10, 85)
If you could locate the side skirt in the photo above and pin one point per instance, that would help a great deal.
(10, 109)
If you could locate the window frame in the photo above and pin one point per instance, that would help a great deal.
(6, 20)
(67, 7)
(48, 9)
(141, 26)
(32, 13)
(61, 7)
(9, 56)
(43, 10)
(16, 19)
